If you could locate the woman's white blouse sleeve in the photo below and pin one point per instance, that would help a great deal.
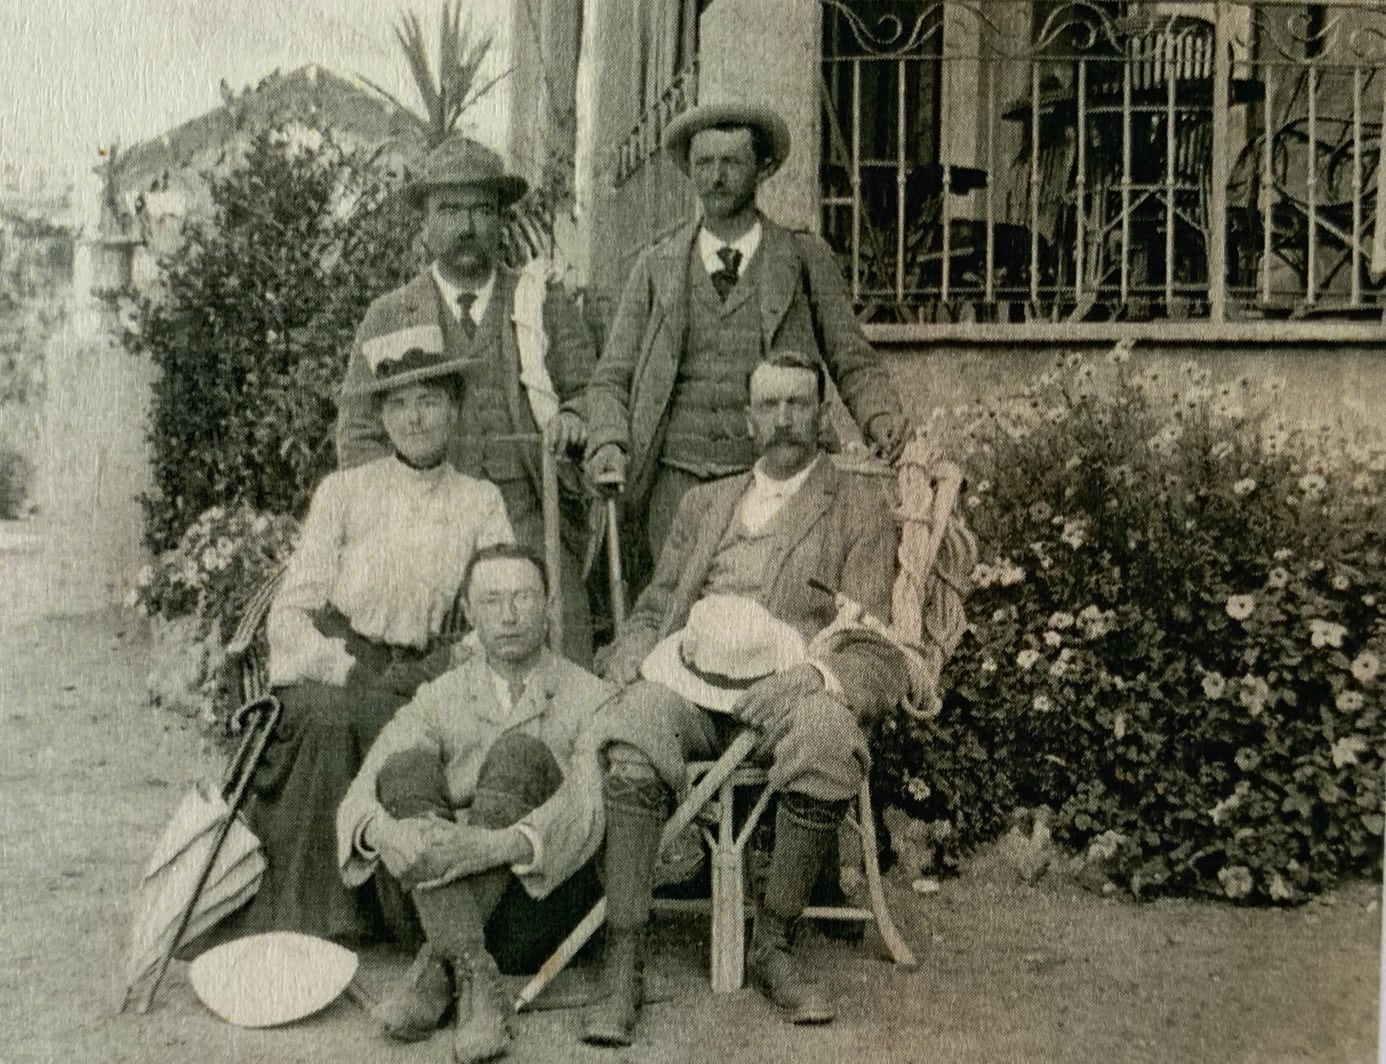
(298, 651)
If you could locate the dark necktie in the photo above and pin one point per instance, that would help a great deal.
(724, 280)
(465, 300)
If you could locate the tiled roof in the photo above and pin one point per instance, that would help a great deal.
(310, 95)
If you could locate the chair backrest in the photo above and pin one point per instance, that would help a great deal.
(937, 555)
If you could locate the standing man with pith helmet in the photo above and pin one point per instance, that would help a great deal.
(665, 406)
(526, 346)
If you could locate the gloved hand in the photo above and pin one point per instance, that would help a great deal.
(888, 433)
(606, 467)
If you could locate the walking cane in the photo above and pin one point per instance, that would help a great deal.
(613, 563)
(553, 543)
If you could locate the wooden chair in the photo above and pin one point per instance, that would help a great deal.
(927, 607)
(727, 843)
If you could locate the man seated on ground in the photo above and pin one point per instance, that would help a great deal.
(758, 536)
(482, 745)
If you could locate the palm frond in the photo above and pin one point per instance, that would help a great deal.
(447, 95)
(479, 93)
(460, 58)
(409, 33)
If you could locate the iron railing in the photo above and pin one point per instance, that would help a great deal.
(650, 196)
(1031, 161)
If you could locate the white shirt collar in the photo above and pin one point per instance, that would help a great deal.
(763, 481)
(450, 292)
(502, 688)
(709, 245)
(767, 496)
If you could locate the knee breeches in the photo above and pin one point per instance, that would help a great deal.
(822, 756)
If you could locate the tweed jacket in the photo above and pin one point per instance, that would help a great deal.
(459, 717)
(569, 359)
(844, 536)
(803, 305)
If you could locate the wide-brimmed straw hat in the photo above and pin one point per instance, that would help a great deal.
(405, 356)
(460, 160)
(679, 133)
(727, 645)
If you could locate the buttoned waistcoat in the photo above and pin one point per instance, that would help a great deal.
(804, 306)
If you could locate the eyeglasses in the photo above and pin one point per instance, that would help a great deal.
(475, 214)
(520, 601)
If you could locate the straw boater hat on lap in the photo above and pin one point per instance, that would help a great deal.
(459, 160)
(727, 645)
(679, 133)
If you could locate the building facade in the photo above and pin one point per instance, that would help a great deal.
(1001, 178)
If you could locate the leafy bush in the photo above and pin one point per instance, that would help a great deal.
(1178, 635)
(199, 589)
(217, 565)
(252, 321)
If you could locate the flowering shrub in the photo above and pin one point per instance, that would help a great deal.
(216, 566)
(200, 588)
(1179, 631)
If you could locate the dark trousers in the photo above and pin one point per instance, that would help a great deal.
(518, 775)
(322, 738)
(668, 490)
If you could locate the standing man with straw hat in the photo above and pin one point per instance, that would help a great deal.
(666, 404)
(526, 346)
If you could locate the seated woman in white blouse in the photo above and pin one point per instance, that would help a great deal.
(355, 629)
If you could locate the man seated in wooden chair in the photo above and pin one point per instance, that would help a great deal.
(760, 536)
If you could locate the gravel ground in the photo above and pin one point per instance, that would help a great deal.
(1008, 973)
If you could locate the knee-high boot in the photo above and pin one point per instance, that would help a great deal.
(805, 829)
(636, 810)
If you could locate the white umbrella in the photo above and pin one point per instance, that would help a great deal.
(206, 865)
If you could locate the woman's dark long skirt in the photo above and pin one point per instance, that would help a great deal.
(322, 738)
